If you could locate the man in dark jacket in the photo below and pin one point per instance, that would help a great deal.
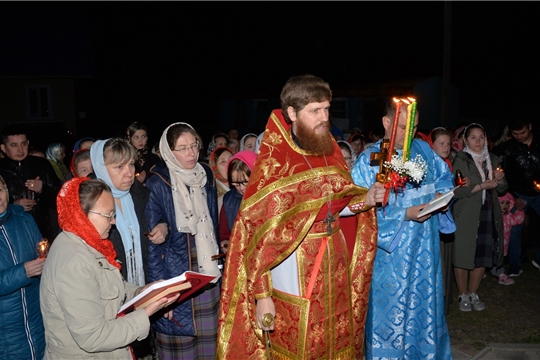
(521, 165)
(32, 181)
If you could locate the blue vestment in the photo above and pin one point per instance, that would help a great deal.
(406, 305)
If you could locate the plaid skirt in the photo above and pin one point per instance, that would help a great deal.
(486, 239)
(205, 311)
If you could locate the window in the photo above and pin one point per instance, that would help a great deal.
(38, 102)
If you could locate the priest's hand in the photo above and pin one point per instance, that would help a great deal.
(375, 194)
(265, 306)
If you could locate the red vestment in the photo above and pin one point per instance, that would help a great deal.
(282, 212)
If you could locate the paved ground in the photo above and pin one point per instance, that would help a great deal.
(503, 352)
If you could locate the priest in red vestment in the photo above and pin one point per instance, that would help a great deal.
(287, 254)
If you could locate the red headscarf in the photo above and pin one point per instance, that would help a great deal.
(72, 218)
(213, 162)
(72, 165)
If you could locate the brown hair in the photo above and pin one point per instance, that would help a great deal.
(175, 131)
(302, 90)
(237, 165)
(90, 191)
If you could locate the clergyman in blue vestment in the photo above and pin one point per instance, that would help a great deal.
(406, 317)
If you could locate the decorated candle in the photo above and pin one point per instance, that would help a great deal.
(394, 130)
(409, 130)
(406, 142)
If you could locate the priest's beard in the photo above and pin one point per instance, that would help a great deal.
(310, 141)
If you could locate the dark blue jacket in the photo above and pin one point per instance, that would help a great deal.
(172, 257)
(231, 205)
(21, 326)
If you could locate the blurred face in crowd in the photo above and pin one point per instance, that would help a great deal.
(220, 141)
(475, 140)
(524, 135)
(249, 143)
(122, 174)
(233, 134)
(234, 146)
(3, 197)
(358, 145)
(104, 206)
(347, 156)
(239, 181)
(505, 206)
(402, 126)
(441, 146)
(186, 150)
(139, 139)
(84, 168)
(16, 147)
(86, 144)
(222, 161)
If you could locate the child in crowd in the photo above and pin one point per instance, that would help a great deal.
(81, 165)
(509, 219)
(239, 169)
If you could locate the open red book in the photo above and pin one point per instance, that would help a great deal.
(187, 284)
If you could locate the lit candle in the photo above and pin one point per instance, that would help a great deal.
(43, 248)
(394, 129)
(409, 130)
(406, 142)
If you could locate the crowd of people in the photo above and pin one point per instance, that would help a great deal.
(315, 256)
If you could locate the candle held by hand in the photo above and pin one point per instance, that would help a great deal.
(43, 248)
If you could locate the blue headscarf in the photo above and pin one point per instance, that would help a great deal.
(127, 222)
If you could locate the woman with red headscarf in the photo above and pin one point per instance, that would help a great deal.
(219, 158)
(81, 286)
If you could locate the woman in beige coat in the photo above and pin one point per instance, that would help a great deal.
(81, 286)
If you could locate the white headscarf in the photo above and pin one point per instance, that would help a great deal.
(480, 157)
(190, 207)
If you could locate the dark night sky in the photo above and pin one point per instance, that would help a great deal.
(169, 61)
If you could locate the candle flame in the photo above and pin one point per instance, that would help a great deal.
(396, 100)
(406, 101)
(412, 99)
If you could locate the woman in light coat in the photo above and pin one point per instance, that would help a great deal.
(81, 286)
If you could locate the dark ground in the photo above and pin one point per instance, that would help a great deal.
(512, 313)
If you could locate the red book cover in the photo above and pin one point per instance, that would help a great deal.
(187, 284)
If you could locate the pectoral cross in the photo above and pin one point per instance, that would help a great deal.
(329, 220)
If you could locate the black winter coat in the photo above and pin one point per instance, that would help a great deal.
(15, 173)
(521, 164)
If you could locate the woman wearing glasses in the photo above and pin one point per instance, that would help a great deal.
(184, 196)
(81, 288)
(238, 172)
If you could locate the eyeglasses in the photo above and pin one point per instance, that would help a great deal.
(109, 217)
(239, 183)
(185, 149)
